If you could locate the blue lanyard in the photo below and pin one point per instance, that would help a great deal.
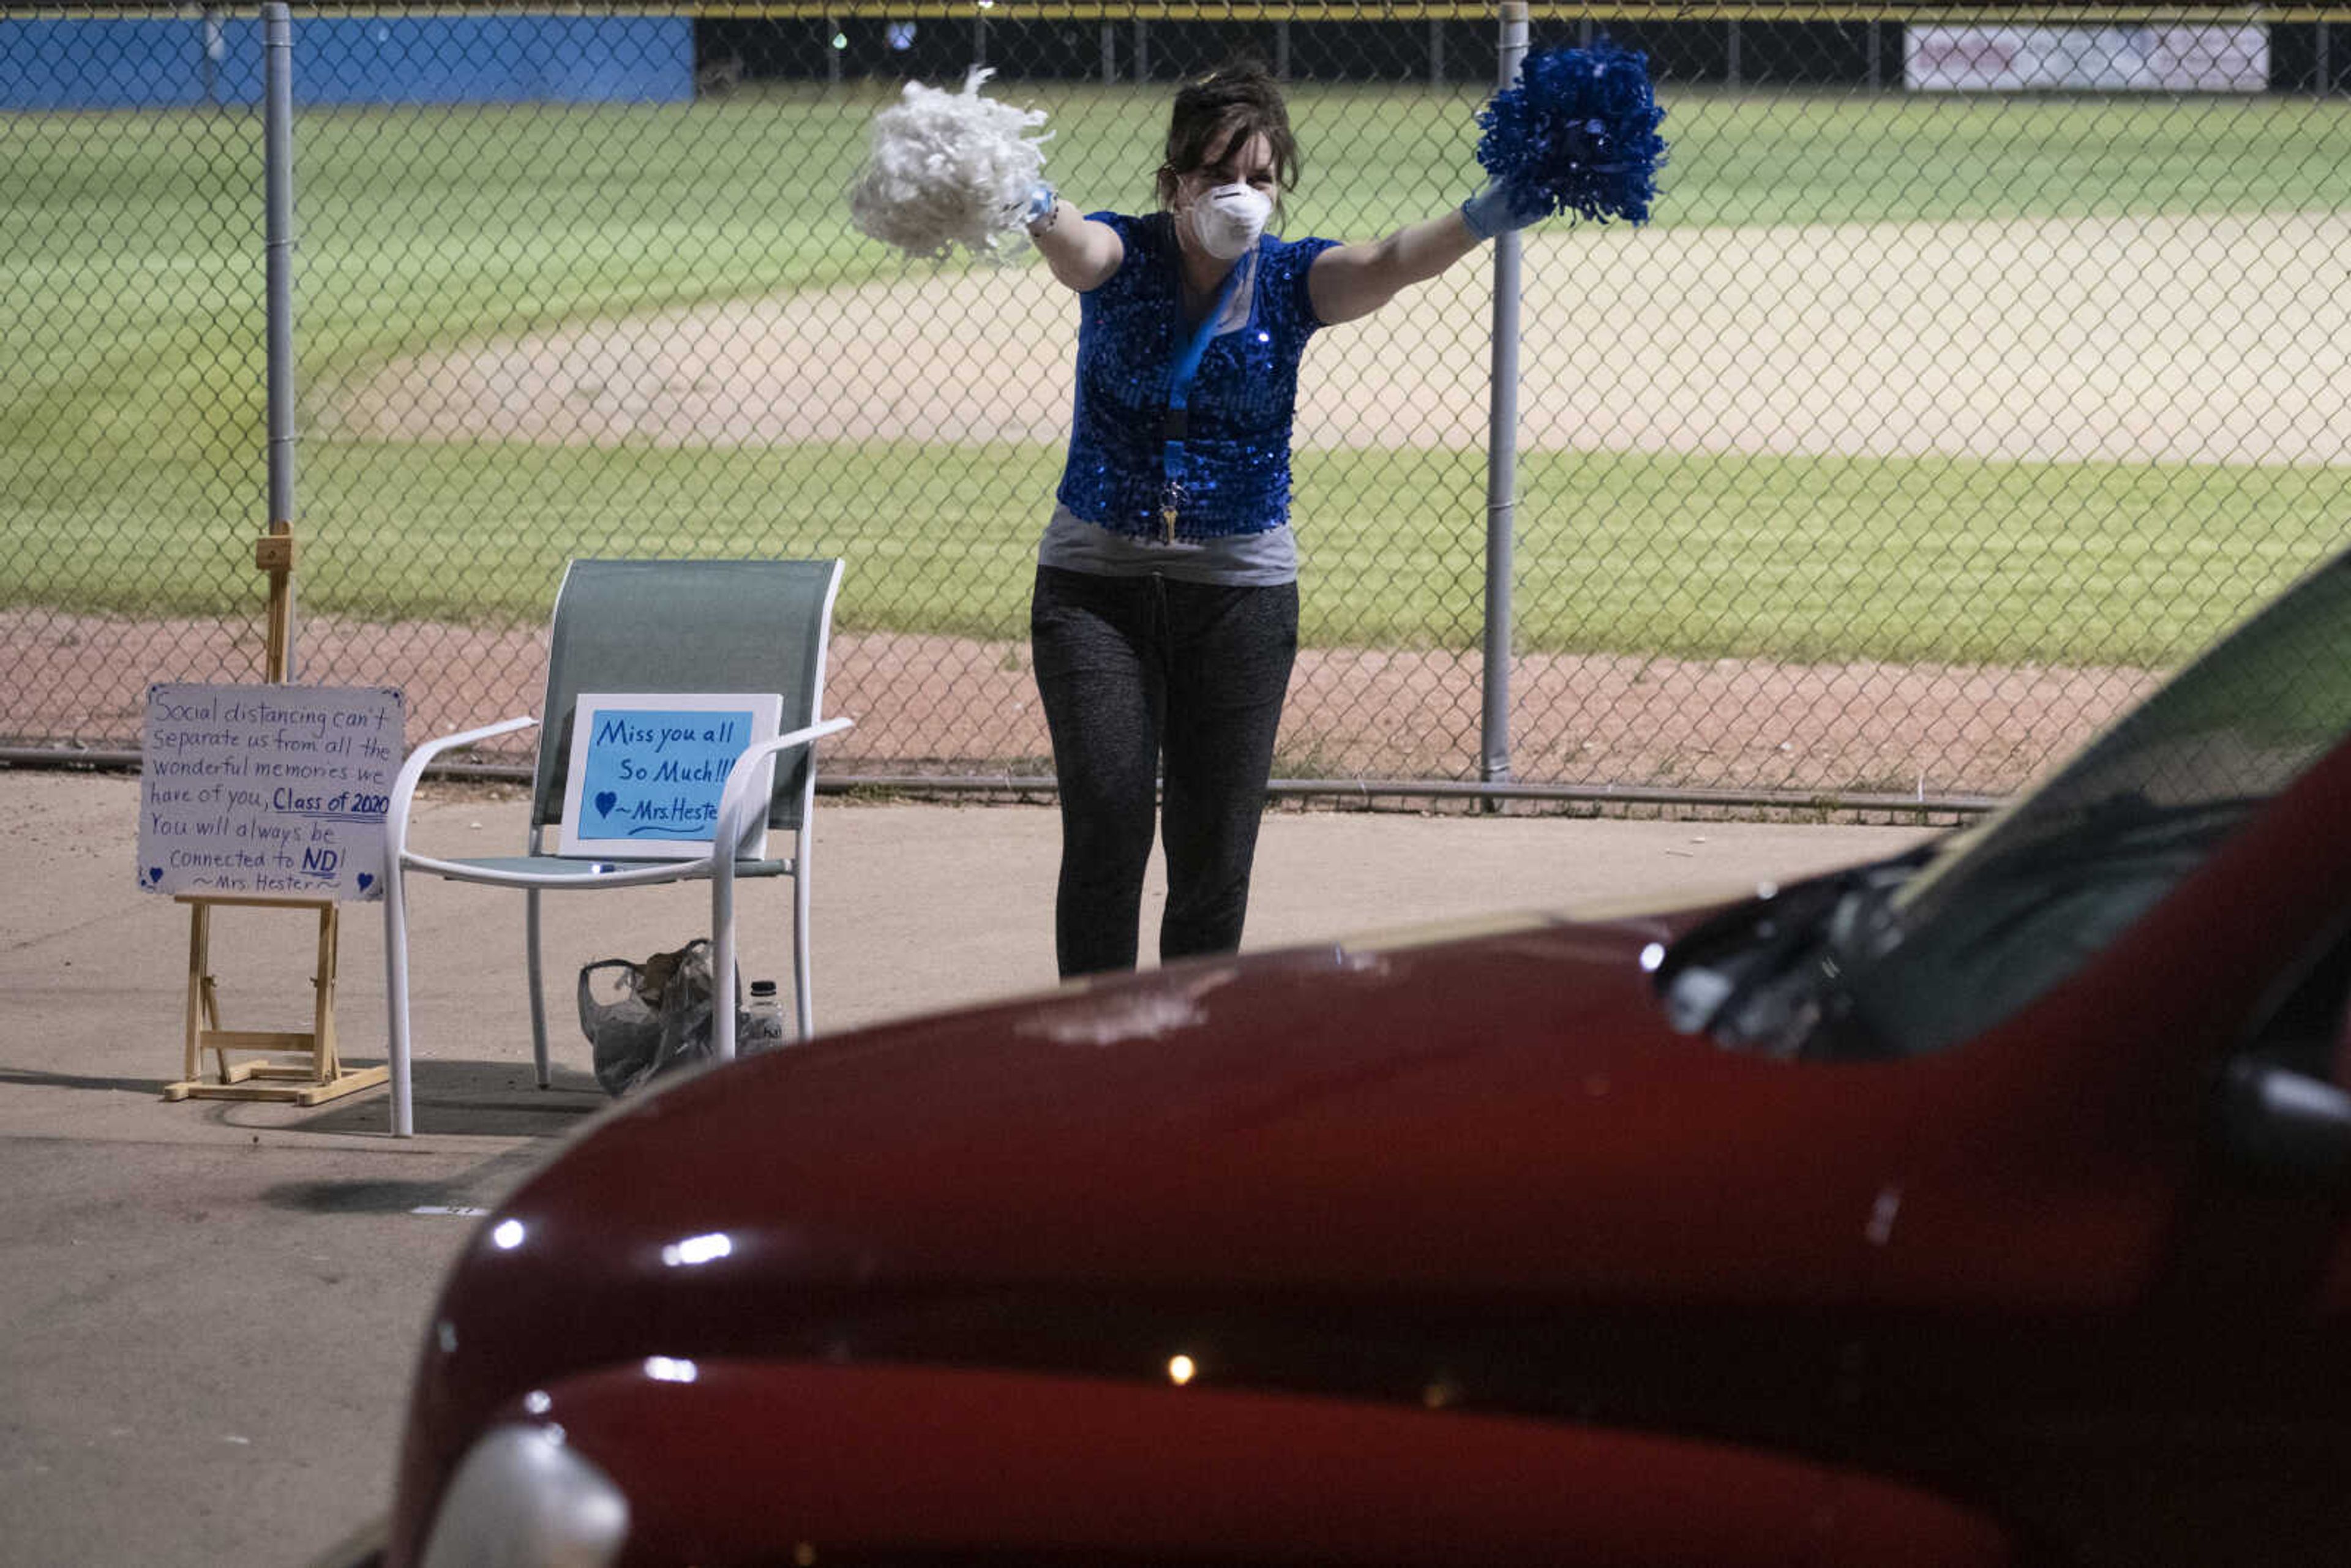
(1179, 392)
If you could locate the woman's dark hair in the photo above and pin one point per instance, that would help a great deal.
(1215, 117)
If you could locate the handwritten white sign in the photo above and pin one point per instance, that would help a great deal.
(267, 790)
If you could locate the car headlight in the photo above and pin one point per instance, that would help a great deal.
(523, 1500)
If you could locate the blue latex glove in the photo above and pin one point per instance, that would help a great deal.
(1043, 200)
(1503, 205)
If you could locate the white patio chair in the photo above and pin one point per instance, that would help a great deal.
(648, 626)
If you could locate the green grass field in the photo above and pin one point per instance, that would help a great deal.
(132, 412)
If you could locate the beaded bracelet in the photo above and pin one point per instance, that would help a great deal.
(1041, 223)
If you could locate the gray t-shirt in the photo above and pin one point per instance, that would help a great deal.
(1265, 559)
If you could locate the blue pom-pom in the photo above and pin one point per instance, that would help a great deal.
(1579, 130)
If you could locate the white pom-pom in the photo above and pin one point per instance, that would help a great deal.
(949, 169)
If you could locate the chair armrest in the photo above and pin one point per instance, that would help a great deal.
(733, 798)
(412, 772)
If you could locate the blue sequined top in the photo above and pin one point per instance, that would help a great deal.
(1130, 330)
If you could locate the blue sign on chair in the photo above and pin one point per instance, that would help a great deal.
(647, 770)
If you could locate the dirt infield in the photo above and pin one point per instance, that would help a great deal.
(2200, 339)
(940, 705)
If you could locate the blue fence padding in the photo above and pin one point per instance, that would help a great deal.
(166, 63)
(127, 63)
(494, 59)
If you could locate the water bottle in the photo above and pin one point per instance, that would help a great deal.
(762, 1023)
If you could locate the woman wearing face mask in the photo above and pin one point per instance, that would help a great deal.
(1165, 613)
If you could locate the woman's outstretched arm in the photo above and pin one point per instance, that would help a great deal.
(1081, 253)
(1351, 280)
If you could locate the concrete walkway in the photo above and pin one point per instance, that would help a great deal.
(212, 1306)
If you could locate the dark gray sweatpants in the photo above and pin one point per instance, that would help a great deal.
(1130, 668)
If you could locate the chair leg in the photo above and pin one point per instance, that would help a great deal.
(803, 1007)
(722, 959)
(538, 991)
(395, 997)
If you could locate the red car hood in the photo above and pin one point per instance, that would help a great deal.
(1331, 1116)
(1503, 1118)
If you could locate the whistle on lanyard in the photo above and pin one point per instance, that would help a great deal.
(1171, 494)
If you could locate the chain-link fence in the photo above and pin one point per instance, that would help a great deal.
(1974, 370)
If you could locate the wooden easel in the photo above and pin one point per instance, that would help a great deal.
(322, 1077)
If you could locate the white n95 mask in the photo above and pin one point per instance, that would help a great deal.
(1227, 219)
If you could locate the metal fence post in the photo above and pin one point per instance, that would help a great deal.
(210, 55)
(277, 175)
(1502, 457)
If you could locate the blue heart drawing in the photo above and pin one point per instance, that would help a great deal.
(367, 880)
(154, 874)
(605, 802)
